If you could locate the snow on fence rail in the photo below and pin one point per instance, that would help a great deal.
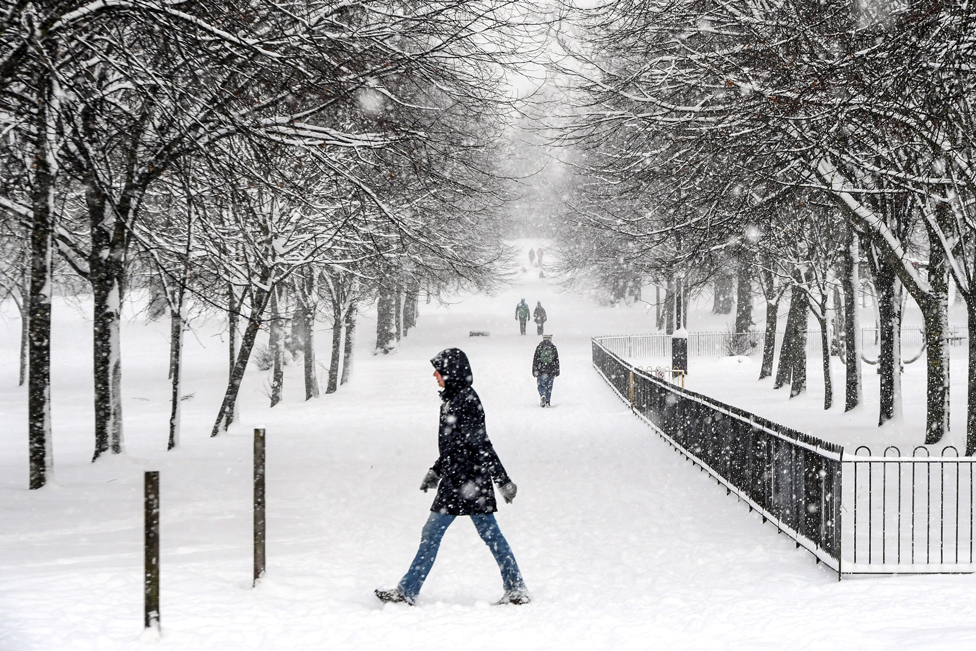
(857, 514)
(709, 344)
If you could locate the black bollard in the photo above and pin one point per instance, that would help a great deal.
(679, 350)
(151, 583)
(259, 533)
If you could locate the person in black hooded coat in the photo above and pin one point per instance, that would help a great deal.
(463, 475)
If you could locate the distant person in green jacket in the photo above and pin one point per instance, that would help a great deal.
(522, 314)
(539, 316)
(545, 368)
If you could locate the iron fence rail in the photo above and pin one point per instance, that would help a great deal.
(859, 514)
(792, 479)
(710, 344)
(909, 514)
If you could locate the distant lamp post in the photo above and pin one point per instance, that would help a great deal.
(679, 340)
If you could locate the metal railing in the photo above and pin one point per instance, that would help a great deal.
(909, 514)
(857, 514)
(792, 479)
(712, 344)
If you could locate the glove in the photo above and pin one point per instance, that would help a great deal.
(431, 479)
(508, 491)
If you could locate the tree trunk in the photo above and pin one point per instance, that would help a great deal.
(398, 310)
(791, 338)
(935, 314)
(889, 356)
(259, 301)
(937, 379)
(685, 304)
(276, 344)
(658, 323)
(784, 371)
(307, 316)
(350, 342)
(411, 306)
(743, 307)
(106, 269)
(798, 352)
(772, 317)
(40, 456)
(233, 316)
(825, 354)
(407, 313)
(23, 307)
(971, 377)
(177, 327)
(669, 308)
(385, 326)
(852, 327)
(769, 340)
(107, 295)
(336, 349)
(723, 298)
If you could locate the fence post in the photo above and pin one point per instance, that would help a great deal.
(679, 349)
(632, 389)
(259, 523)
(838, 490)
(151, 574)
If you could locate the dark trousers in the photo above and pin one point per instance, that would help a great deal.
(539, 327)
(522, 325)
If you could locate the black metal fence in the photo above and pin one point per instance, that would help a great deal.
(858, 514)
(792, 479)
(909, 514)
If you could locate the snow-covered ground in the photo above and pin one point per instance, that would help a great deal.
(623, 544)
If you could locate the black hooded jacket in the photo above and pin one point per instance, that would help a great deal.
(468, 462)
(545, 361)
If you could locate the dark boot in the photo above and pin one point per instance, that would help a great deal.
(393, 596)
(514, 598)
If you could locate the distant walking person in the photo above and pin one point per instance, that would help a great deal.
(538, 256)
(545, 368)
(462, 476)
(539, 316)
(522, 314)
(531, 257)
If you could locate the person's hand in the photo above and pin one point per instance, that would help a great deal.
(431, 479)
(508, 491)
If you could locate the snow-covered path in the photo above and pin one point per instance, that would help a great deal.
(623, 543)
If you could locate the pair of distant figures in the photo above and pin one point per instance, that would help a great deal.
(533, 255)
(538, 315)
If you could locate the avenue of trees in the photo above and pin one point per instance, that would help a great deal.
(797, 150)
(275, 165)
(266, 163)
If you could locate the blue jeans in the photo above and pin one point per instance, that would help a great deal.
(430, 542)
(544, 382)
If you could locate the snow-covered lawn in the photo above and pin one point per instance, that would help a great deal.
(734, 380)
(623, 544)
